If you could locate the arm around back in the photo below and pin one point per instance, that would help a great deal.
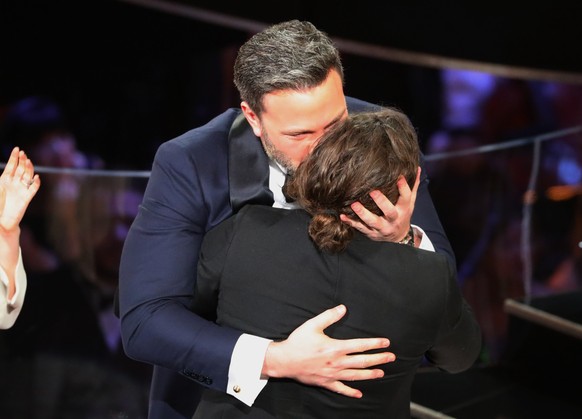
(158, 269)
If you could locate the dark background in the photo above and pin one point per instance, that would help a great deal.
(130, 76)
(531, 35)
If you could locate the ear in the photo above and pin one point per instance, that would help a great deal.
(252, 118)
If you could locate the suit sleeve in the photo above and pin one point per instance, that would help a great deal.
(459, 339)
(426, 217)
(158, 275)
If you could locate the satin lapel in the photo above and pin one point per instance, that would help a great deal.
(248, 167)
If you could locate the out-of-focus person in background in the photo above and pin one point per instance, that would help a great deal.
(63, 358)
(64, 355)
(39, 125)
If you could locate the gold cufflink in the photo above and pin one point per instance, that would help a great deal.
(236, 389)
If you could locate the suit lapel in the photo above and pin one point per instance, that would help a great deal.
(248, 167)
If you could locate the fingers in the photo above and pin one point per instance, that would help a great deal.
(349, 221)
(371, 220)
(355, 367)
(353, 346)
(20, 172)
(388, 209)
(374, 226)
(21, 169)
(327, 318)
(360, 374)
(34, 186)
(353, 375)
(28, 166)
(417, 182)
(29, 176)
(407, 197)
(365, 221)
(19, 184)
(416, 185)
(341, 388)
(12, 163)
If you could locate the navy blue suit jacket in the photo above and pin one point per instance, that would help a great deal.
(197, 180)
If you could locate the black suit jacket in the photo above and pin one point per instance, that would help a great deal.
(260, 273)
(197, 180)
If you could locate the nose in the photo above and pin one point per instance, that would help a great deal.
(314, 143)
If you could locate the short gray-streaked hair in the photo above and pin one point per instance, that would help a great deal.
(289, 55)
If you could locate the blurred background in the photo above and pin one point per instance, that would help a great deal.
(90, 90)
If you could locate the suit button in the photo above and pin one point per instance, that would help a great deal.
(236, 389)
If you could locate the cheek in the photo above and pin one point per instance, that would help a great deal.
(306, 151)
(298, 152)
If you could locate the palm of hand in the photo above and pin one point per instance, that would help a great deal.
(15, 190)
(13, 203)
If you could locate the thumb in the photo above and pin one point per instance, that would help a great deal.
(328, 317)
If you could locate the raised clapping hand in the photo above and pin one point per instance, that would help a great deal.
(18, 185)
(395, 223)
(310, 356)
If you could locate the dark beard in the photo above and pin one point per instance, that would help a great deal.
(276, 155)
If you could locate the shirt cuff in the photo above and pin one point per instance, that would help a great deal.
(19, 280)
(244, 374)
(425, 242)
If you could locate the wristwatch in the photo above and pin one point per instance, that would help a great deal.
(409, 238)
